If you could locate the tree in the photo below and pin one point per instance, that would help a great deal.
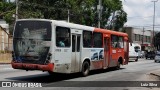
(7, 10)
(80, 11)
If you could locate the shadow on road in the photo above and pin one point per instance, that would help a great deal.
(46, 78)
(132, 61)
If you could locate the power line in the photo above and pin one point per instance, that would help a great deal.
(140, 17)
(145, 26)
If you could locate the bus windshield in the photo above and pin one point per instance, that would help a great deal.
(31, 41)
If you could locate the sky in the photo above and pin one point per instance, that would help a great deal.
(140, 13)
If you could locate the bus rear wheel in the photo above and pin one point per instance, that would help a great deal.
(85, 68)
(118, 65)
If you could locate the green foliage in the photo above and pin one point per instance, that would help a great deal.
(81, 11)
(9, 16)
(6, 11)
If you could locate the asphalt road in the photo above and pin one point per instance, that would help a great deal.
(128, 75)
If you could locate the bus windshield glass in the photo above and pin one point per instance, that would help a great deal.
(31, 41)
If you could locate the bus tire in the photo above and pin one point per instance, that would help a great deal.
(136, 59)
(118, 65)
(85, 68)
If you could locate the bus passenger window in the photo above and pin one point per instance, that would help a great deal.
(97, 40)
(61, 42)
(120, 42)
(62, 37)
(114, 40)
(87, 38)
(117, 41)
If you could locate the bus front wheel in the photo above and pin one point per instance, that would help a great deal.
(85, 68)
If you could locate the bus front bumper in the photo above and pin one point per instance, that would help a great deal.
(27, 66)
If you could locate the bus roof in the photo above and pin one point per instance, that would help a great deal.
(78, 26)
(74, 26)
(111, 32)
(64, 24)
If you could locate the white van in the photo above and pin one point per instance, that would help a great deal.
(134, 49)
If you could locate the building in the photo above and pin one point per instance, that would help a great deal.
(140, 36)
(5, 40)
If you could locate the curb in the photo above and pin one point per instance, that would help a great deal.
(4, 63)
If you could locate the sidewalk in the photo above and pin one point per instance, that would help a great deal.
(5, 58)
(156, 73)
(5, 61)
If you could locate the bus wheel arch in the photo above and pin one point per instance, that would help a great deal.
(85, 67)
(120, 60)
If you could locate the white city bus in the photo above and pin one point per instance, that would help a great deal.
(59, 46)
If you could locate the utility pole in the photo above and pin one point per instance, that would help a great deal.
(68, 14)
(153, 22)
(16, 10)
(143, 36)
(99, 9)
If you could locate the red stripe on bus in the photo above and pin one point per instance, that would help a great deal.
(48, 67)
(97, 64)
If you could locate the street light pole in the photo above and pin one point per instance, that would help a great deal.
(153, 22)
(143, 36)
(99, 8)
(68, 14)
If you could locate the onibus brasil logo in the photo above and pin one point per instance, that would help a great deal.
(21, 84)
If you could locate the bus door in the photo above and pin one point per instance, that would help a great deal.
(76, 44)
(106, 52)
(114, 52)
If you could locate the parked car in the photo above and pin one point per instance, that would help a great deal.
(157, 57)
(150, 54)
(143, 54)
(140, 54)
